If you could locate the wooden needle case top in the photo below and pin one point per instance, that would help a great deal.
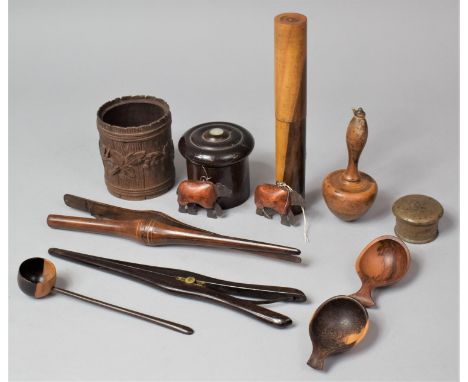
(218, 152)
(290, 98)
(136, 147)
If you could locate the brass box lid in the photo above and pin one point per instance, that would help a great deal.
(418, 209)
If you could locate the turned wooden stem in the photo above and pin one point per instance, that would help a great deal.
(290, 98)
(356, 137)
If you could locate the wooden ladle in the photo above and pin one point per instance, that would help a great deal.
(37, 276)
(384, 261)
(336, 326)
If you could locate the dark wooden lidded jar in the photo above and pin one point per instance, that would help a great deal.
(219, 151)
(136, 147)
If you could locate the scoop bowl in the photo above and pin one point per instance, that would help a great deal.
(384, 261)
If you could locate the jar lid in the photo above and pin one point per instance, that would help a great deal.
(418, 209)
(216, 144)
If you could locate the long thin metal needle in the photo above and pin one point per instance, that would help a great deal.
(155, 320)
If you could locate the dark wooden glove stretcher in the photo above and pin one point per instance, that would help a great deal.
(199, 286)
(155, 228)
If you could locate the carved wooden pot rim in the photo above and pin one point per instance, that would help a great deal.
(140, 132)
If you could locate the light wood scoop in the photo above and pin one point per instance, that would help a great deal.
(384, 261)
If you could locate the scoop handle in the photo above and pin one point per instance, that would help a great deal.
(155, 320)
(317, 359)
(364, 295)
(356, 138)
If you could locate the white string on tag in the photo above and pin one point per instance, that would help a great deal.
(291, 190)
(205, 178)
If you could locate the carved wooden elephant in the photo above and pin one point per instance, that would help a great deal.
(274, 198)
(192, 194)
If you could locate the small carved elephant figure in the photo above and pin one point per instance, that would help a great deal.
(192, 194)
(275, 198)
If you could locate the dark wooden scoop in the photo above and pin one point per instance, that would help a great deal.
(384, 261)
(336, 326)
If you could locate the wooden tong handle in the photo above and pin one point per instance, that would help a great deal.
(158, 277)
(126, 228)
(154, 233)
(257, 311)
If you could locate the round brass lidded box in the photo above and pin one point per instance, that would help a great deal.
(417, 218)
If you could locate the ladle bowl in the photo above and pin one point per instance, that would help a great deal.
(336, 326)
(384, 261)
(36, 277)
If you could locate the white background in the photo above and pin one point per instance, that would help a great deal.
(214, 61)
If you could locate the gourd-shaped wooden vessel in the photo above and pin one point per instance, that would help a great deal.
(349, 193)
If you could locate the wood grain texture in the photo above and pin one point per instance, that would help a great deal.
(219, 151)
(36, 277)
(384, 261)
(136, 147)
(290, 98)
(272, 196)
(336, 326)
(200, 192)
(350, 193)
(246, 298)
(192, 194)
(155, 228)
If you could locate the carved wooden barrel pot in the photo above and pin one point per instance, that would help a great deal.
(136, 147)
(219, 151)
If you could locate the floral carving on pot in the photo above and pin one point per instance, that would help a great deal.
(126, 165)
